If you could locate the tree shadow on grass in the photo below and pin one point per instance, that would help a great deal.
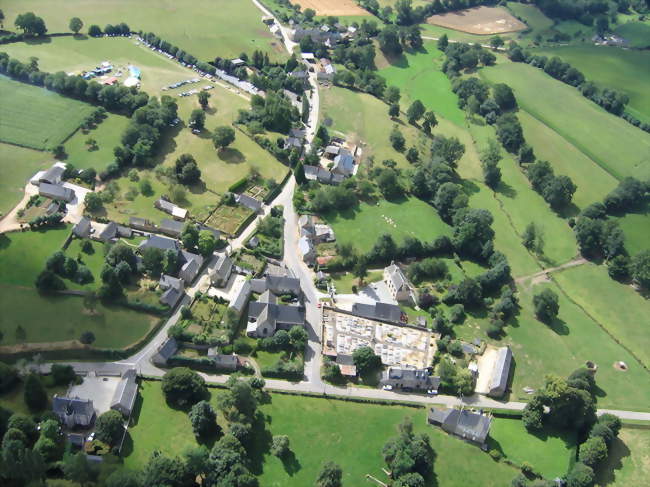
(569, 211)
(259, 444)
(559, 326)
(37, 41)
(506, 190)
(290, 463)
(606, 473)
(230, 155)
(127, 446)
(5, 241)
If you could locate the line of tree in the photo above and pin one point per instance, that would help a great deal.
(114, 98)
(611, 100)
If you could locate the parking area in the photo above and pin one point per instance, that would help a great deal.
(100, 389)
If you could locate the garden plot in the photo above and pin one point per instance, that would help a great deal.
(228, 218)
(480, 20)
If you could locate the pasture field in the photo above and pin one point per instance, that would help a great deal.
(345, 280)
(77, 54)
(635, 226)
(520, 205)
(410, 217)
(535, 19)
(338, 429)
(636, 33)
(332, 7)
(617, 307)
(17, 165)
(363, 118)
(592, 180)
(618, 147)
(548, 451)
(624, 70)
(204, 28)
(565, 345)
(479, 20)
(418, 75)
(628, 462)
(35, 117)
(54, 318)
(108, 135)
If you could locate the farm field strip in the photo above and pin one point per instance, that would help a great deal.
(36, 118)
(479, 20)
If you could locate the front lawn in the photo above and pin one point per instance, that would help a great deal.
(17, 165)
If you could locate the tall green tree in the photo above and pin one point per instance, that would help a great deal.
(223, 137)
(75, 25)
(35, 395)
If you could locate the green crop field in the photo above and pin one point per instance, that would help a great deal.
(418, 76)
(618, 147)
(408, 218)
(617, 307)
(35, 117)
(628, 462)
(549, 452)
(17, 165)
(204, 28)
(336, 428)
(54, 318)
(625, 70)
(592, 180)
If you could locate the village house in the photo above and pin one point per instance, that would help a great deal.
(326, 70)
(322, 175)
(171, 228)
(54, 175)
(385, 312)
(249, 202)
(174, 290)
(307, 251)
(125, 393)
(278, 285)
(501, 372)
(409, 378)
(74, 412)
(221, 271)
(471, 426)
(344, 163)
(83, 228)
(397, 283)
(224, 361)
(266, 316)
(190, 266)
(141, 224)
(165, 351)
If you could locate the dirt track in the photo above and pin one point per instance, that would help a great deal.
(480, 20)
(332, 7)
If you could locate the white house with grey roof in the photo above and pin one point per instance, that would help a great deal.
(397, 283)
(266, 316)
(249, 202)
(344, 163)
(125, 393)
(221, 271)
(176, 212)
(173, 290)
(277, 285)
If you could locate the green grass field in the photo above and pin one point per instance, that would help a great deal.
(14, 400)
(108, 135)
(548, 452)
(628, 463)
(204, 28)
(336, 428)
(418, 76)
(592, 180)
(573, 339)
(363, 118)
(624, 70)
(17, 165)
(35, 117)
(635, 226)
(619, 308)
(617, 146)
(411, 217)
(636, 33)
(532, 16)
(345, 280)
(58, 318)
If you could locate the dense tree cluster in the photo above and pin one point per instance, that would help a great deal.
(409, 455)
(183, 386)
(557, 191)
(275, 112)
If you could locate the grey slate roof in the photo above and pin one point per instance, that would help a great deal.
(158, 242)
(277, 285)
(56, 192)
(241, 299)
(222, 269)
(501, 372)
(397, 277)
(109, 232)
(53, 175)
(466, 424)
(343, 163)
(379, 311)
(73, 411)
(174, 290)
(164, 205)
(248, 202)
(82, 228)
(409, 377)
(171, 227)
(165, 351)
(126, 392)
